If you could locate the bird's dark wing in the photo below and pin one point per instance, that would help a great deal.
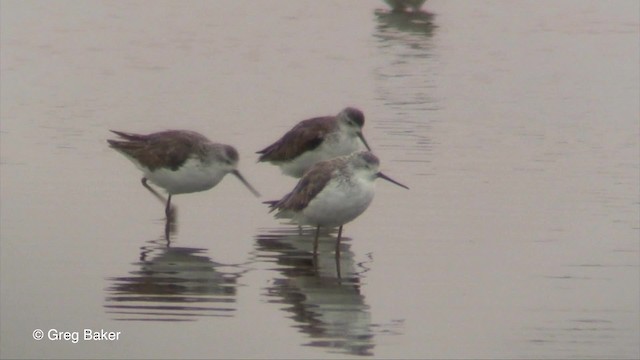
(305, 136)
(164, 149)
(307, 188)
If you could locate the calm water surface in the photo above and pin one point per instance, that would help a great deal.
(515, 124)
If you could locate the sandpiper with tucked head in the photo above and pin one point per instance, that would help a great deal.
(179, 161)
(332, 193)
(316, 139)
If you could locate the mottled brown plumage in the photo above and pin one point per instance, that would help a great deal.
(169, 148)
(306, 135)
(308, 187)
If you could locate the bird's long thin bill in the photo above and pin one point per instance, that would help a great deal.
(383, 176)
(254, 191)
(364, 141)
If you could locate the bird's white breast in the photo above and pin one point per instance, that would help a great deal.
(192, 176)
(338, 203)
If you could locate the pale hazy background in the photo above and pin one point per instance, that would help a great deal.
(514, 123)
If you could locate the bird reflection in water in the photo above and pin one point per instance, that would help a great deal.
(321, 293)
(171, 224)
(405, 82)
(172, 283)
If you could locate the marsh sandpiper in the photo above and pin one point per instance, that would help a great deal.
(316, 139)
(179, 161)
(332, 193)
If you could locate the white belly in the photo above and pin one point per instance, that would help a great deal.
(193, 176)
(337, 204)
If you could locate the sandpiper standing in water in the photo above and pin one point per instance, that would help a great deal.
(316, 139)
(333, 193)
(179, 161)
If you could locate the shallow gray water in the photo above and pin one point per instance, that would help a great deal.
(515, 124)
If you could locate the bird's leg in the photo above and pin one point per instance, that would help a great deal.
(339, 275)
(315, 243)
(167, 210)
(155, 193)
(338, 242)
